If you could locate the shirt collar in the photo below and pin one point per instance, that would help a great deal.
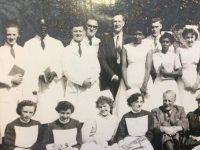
(14, 46)
(120, 34)
(39, 37)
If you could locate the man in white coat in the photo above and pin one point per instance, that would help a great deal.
(45, 72)
(91, 28)
(11, 75)
(81, 67)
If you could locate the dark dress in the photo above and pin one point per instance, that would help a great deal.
(123, 130)
(23, 135)
(194, 129)
(58, 126)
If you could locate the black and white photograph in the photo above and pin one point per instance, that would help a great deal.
(99, 75)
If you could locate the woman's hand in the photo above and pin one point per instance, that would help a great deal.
(128, 87)
(163, 71)
(143, 89)
(194, 88)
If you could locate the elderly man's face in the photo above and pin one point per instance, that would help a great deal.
(91, 28)
(12, 33)
(78, 33)
(168, 101)
(118, 23)
(27, 113)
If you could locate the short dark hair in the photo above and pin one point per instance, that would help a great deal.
(165, 36)
(23, 103)
(77, 23)
(103, 100)
(64, 105)
(120, 13)
(192, 31)
(156, 19)
(11, 23)
(133, 98)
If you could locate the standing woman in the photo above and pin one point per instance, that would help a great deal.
(189, 82)
(167, 67)
(133, 70)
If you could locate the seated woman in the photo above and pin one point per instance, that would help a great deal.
(98, 132)
(193, 140)
(65, 132)
(135, 128)
(24, 133)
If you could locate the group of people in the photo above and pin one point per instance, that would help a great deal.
(158, 73)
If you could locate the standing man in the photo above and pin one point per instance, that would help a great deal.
(12, 72)
(81, 68)
(169, 122)
(45, 73)
(91, 30)
(110, 55)
(156, 26)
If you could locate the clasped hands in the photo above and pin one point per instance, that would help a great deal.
(17, 79)
(170, 130)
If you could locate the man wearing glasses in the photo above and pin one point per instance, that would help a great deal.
(91, 30)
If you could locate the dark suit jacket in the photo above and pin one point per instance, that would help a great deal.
(177, 118)
(108, 61)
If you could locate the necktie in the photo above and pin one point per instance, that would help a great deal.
(79, 49)
(167, 115)
(117, 42)
(42, 44)
(117, 47)
(12, 51)
(90, 41)
(155, 42)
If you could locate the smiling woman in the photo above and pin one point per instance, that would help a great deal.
(98, 132)
(64, 132)
(135, 129)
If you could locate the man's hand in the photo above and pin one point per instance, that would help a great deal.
(51, 76)
(17, 79)
(115, 78)
(87, 83)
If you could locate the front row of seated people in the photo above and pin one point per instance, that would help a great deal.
(138, 129)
